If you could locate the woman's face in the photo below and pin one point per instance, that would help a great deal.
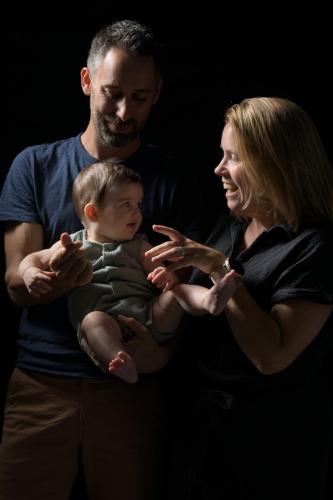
(231, 171)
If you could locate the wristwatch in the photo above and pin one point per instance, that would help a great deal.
(228, 265)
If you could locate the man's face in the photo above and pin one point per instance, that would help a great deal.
(122, 92)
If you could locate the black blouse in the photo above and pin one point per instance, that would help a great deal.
(279, 265)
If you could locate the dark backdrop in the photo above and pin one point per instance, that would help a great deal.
(210, 61)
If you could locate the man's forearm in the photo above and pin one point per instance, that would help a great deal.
(20, 296)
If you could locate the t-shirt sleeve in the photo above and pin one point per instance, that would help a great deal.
(17, 201)
(309, 277)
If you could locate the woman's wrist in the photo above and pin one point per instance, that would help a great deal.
(218, 271)
(223, 266)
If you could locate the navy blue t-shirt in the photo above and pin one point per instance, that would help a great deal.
(38, 189)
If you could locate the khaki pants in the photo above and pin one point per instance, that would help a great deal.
(51, 423)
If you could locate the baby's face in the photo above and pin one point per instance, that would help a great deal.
(119, 215)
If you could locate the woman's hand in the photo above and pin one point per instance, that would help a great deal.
(184, 252)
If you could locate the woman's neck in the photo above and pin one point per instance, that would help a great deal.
(256, 227)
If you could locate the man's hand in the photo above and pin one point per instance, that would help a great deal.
(24, 239)
(70, 263)
(149, 356)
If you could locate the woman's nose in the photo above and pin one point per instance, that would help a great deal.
(220, 169)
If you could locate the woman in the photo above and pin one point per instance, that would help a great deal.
(262, 423)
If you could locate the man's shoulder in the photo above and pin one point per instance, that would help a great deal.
(48, 148)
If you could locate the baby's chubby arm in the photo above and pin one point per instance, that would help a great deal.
(33, 270)
(64, 261)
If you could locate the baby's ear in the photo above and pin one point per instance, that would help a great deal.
(90, 211)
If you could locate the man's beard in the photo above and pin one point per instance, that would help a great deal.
(108, 138)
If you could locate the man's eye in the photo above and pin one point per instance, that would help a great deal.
(139, 98)
(111, 95)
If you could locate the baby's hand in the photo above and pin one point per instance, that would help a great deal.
(37, 281)
(162, 278)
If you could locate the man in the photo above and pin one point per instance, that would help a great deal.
(61, 410)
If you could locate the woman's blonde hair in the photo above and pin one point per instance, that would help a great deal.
(286, 167)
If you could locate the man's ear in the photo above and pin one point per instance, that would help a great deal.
(85, 80)
(158, 90)
(91, 212)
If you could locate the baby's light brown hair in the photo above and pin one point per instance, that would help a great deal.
(94, 180)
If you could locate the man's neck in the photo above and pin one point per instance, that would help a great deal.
(100, 152)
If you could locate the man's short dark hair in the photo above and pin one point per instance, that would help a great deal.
(131, 36)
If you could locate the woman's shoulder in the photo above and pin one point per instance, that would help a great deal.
(315, 236)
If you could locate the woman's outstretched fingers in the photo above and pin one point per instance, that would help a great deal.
(168, 231)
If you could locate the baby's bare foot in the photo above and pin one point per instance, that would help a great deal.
(123, 366)
(217, 297)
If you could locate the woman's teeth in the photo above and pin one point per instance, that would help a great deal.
(229, 187)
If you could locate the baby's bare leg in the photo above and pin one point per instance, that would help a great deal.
(167, 313)
(103, 337)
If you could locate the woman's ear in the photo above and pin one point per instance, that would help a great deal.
(91, 212)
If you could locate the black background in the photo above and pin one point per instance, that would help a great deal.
(211, 60)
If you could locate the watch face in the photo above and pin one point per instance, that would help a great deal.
(236, 265)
